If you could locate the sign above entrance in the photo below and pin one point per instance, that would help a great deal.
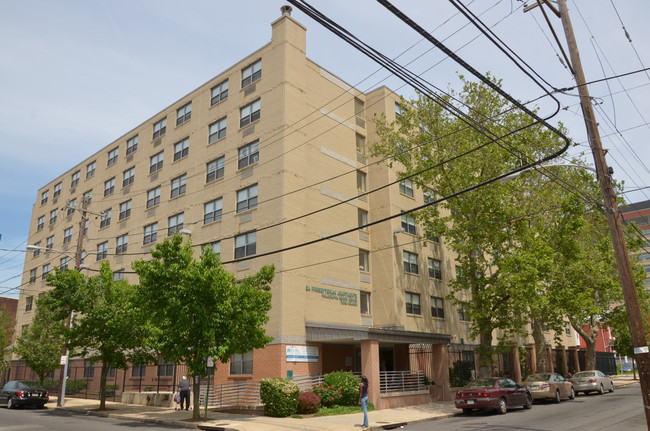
(302, 354)
(345, 298)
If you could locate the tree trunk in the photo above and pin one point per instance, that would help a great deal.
(590, 336)
(102, 386)
(196, 411)
(541, 362)
(486, 356)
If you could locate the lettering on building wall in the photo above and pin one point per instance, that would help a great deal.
(345, 298)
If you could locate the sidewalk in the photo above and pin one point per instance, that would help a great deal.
(380, 419)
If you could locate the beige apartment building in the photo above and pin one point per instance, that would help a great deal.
(268, 155)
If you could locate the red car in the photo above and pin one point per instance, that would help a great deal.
(493, 393)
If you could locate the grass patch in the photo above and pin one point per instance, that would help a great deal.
(296, 416)
(342, 410)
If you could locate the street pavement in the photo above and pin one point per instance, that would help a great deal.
(380, 419)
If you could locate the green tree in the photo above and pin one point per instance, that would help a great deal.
(41, 344)
(481, 227)
(108, 326)
(6, 332)
(199, 309)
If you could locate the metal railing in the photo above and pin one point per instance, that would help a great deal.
(401, 381)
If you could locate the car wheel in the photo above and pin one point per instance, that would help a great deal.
(572, 395)
(10, 403)
(503, 408)
(556, 399)
(529, 402)
(601, 390)
(611, 389)
(467, 411)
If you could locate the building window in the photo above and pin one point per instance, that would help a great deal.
(410, 262)
(431, 237)
(109, 187)
(86, 227)
(218, 130)
(437, 307)
(462, 314)
(159, 128)
(41, 223)
(364, 260)
(245, 245)
(435, 268)
(361, 181)
(183, 114)
(412, 303)
(57, 190)
(215, 169)
(67, 235)
(83, 257)
(216, 246)
(364, 302)
(429, 196)
(46, 269)
(63, 263)
(88, 196)
(153, 197)
(359, 108)
(74, 180)
(165, 368)
(150, 233)
(71, 206)
(212, 211)
(118, 275)
(89, 370)
(241, 363)
(175, 223)
(179, 185)
(361, 144)
(49, 243)
(249, 113)
(125, 209)
(251, 73)
(102, 250)
(44, 196)
(156, 162)
(408, 223)
(138, 370)
(53, 214)
(128, 177)
(28, 303)
(362, 216)
(181, 149)
(247, 198)
(90, 169)
(249, 154)
(122, 244)
(219, 92)
(131, 145)
(32, 275)
(398, 110)
(406, 188)
(112, 156)
(106, 218)
(37, 249)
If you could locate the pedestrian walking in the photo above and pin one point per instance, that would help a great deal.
(184, 390)
(363, 400)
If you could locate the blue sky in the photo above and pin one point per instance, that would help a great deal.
(75, 75)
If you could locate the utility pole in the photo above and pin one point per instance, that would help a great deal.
(77, 266)
(631, 299)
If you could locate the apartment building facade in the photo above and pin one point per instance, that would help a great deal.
(270, 154)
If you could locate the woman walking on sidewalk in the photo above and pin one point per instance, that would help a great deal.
(363, 400)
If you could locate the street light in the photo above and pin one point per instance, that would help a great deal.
(66, 358)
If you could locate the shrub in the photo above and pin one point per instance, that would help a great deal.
(308, 402)
(280, 396)
(460, 373)
(329, 395)
(348, 385)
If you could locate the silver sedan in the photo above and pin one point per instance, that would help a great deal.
(592, 381)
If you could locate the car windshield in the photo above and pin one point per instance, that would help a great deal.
(584, 374)
(538, 377)
(481, 383)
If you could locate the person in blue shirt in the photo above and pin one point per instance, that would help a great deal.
(363, 400)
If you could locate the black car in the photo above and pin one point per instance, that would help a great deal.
(16, 393)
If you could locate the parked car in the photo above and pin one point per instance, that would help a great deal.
(18, 393)
(549, 386)
(493, 393)
(592, 381)
(626, 367)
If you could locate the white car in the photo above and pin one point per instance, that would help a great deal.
(592, 381)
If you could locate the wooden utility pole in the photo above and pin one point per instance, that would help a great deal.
(613, 217)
